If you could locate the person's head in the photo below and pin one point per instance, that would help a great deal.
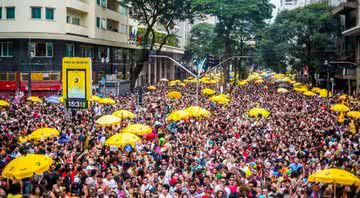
(192, 188)
(147, 193)
(165, 189)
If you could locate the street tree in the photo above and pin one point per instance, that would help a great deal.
(238, 19)
(202, 40)
(153, 13)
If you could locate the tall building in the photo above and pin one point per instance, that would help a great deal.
(281, 5)
(40, 33)
(348, 46)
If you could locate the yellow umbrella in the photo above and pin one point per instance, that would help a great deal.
(178, 115)
(324, 93)
(343, 97)
(181, 84)
(106, 101)
(243, 83)
(137, 129)
(25, 166)
(151, 88)
(334, 176)
(95, 98)
(43, 133)
(282, 90)
(300, 89)
(309, 93)
(196, 111)
(219, 99)
(124, 114)
(316, 89)
(259, 81)
(297, 84)
(340, 108)
(224, 96)
(3, 103)
(122, 139)
(354, 114)
(164, 80)
(208, 91)
(108, 120)
(34, 99)
(255, 112)
(174, 95)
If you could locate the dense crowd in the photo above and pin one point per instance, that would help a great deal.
(226, 155)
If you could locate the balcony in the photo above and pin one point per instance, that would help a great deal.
(79, 5)
(111, 36)
(76, 30)
(345, 6)
(113, 15)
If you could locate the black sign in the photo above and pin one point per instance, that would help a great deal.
(139, 97)
(73, 103)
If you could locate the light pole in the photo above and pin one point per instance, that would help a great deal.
(105, 61)
(326, 63)
(29, 73)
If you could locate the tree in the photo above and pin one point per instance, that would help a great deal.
(238, 19)
(202, 40)
(300, 37)
(152, 13)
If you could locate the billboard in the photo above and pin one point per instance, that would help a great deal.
(76, 81)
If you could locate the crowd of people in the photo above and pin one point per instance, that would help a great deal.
(225, 155)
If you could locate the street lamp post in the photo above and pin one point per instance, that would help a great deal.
(326, 63)
(29, 73)
(105, 61)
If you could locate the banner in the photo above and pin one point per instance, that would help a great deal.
(37, 76)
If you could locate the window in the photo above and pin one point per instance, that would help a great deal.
(41, 49)
(69, 50)
(87, 52)
(98, 2)
(68, 19)
(103, 24)
(103, 3)
(103, 52)
(123, 28)
(49, 13)
(124, 11)
(0, 12)
(75, 20)
(10, 12)
(36, 12)
(98, 22)
(6, 49)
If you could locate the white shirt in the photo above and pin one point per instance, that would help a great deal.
(111, 183)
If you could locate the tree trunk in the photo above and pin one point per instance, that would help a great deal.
(227, 55)
(143, 57)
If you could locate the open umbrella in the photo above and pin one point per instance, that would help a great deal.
(340, 108)
(335, 176)
(4, 103)
(26, 166)
(108, 120)
(208, 91)
(122, 139)
(174, 95)
(259, 81)
(353, 114)
(324, 93)
(178, 115)
(309, 93)
(196, 111)
(137, 129)
(283, 85)
(219, 99)
(255, 112)
(95, 98)
(316, 89)
(53, 99)
(343, 97)
(106, 101)
(242, 83)
(43, 133)
(151, 88)
(34, 99)
(124, 114)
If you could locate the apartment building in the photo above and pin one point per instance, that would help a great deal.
(348, 46)
(36, 35)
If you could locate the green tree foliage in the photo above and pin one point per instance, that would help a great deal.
(202, 42)
(304, 36)
(152, 13)
(238, 19)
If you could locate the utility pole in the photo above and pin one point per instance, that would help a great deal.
(105, 61)
(29, 73)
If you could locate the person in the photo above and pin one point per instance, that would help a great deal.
(76, 188)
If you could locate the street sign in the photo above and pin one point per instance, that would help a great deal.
(76, 82)
(139, 97)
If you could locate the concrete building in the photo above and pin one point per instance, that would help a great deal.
(347, 62)
(53, 29)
